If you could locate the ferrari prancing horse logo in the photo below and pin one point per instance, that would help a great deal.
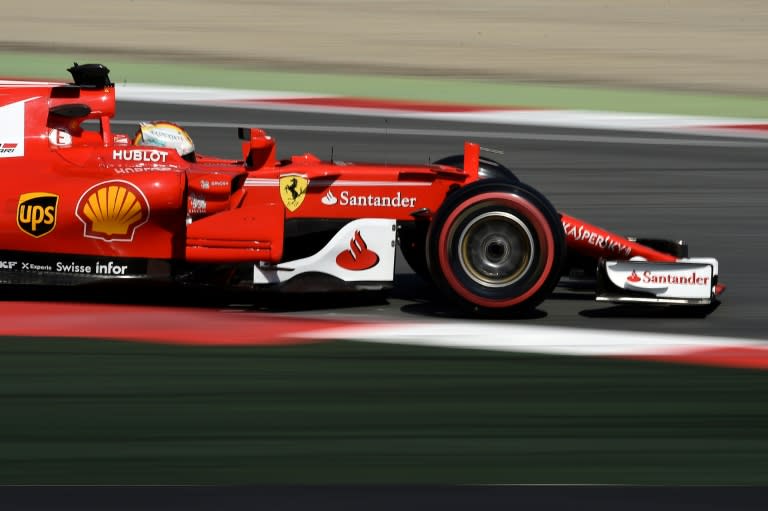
(293, 189)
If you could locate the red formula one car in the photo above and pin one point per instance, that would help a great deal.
(83, 204)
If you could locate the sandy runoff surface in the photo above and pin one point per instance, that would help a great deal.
(704, 45)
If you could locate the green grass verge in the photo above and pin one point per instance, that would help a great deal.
(79, 412)
(413, 88)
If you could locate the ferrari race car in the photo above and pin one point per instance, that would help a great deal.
(84, 204)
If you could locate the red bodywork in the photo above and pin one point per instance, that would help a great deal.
(74, 187)
(73, 166)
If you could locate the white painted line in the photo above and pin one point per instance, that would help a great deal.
(265, 99)
(509, 337)
(593, 119)
(174, 93)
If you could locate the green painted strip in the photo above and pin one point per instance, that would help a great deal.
(419, 89)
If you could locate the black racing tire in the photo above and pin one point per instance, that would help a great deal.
(496, 248)
(489, 169)
(413, 236)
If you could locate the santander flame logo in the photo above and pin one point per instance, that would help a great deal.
(634, 277)
(329, 199)
(358, 257)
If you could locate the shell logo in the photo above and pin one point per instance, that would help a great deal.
(112, 210)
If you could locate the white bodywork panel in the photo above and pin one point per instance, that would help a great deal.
(12, 129)
(362, 251)
(686, 279)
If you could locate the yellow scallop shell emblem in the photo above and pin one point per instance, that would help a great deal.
(113, 210)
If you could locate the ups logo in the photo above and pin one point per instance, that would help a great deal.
(36, 214)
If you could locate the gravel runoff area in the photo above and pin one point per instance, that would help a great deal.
(695, 45)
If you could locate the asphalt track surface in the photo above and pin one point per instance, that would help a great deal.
(709, 191)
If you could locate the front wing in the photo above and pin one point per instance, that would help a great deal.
(687, 281)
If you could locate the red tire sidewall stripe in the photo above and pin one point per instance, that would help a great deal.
(533, 215)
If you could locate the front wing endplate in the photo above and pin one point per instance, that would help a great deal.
(684, 282)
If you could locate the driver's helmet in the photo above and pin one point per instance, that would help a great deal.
(166, 134)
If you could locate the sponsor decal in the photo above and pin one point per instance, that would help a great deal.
(207, 185)
(329, 199)
(197, 204)
(370, 200)
(8, 148)
(293, 189)
(12, 129)
(140, 155)
(87, 266)
(97, 268)
(60, 138)
(112, 210)
(680, 280)
(138, 170)
(36, 213)
(36, 267)
(581, 233)
(359, 257)
(649, 277)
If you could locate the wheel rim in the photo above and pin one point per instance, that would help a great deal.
(496, 249)
(449, 254)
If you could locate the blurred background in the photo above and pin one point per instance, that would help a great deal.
(695, 45)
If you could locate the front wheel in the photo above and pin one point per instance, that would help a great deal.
(496, 247)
